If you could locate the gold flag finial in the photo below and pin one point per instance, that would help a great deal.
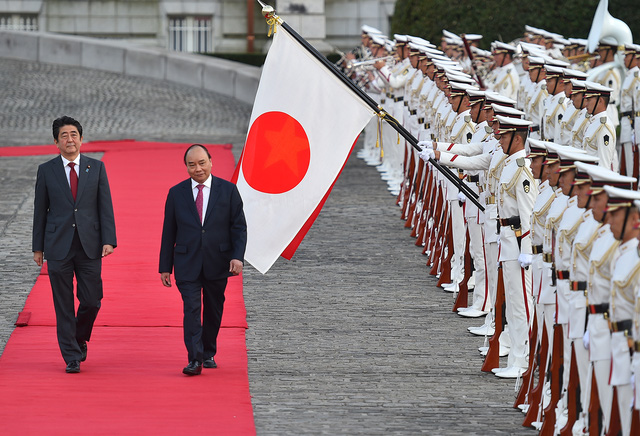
(272, 19)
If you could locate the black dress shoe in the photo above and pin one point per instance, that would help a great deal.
(193, 368)
(209, 363)
(83, 348)
(73, 367)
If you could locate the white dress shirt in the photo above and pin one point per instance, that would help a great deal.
(205, 194)
(67, 168)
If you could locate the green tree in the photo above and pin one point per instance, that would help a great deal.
(505, 19)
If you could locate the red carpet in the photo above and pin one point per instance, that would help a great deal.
(131, 382)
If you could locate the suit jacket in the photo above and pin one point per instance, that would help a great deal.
(191, 247)
(56, 215)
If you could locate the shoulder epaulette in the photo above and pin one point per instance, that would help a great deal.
(561, 100)
(488, 129)
(520, 161)
(467, 118)
(603, 120)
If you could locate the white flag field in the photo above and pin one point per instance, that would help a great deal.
(302, 129)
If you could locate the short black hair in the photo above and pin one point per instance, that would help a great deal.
(192, 146)
(65, 121)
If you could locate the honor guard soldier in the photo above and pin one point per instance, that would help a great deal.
(565, 234)
(555, 104)
(534, 101)
(628, 141)
(517, 192)
(578, 90)
(625, 280)
(635, 360)
(504, 78)
(609, 78)
(377, 83)
(600, 133)
(601, 260)
(546, 195)
(566, 121)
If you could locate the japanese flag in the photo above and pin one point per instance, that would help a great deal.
(304, 124)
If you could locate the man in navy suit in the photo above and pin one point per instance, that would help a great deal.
(203, 239)
(73, 228)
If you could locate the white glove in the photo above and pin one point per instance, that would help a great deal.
(525, 259)
(585, 339)
(426, 144)
(427, 153)
(461, 197)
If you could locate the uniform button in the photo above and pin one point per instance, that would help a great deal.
(73, 225)
(75, 210)
(202, 231)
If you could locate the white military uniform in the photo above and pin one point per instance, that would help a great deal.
(600, 141)
(516, 196)
(579, 273)
(603, 253)
(627, 115)
(505, 81)
(554, 109)
(625, 280)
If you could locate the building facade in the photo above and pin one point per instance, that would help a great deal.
(205, 26)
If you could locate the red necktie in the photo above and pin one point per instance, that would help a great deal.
(73, 180)
(199, 201)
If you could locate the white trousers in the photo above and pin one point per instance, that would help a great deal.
(519, 311)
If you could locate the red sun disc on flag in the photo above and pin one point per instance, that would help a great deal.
(277, 153)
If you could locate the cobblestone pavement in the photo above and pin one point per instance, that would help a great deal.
(350, 337)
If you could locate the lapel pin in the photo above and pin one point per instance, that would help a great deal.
(87, 170)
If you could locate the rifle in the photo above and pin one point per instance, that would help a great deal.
(445, 261)
(615, 426)
(535, 396)
(492, 359)
(573, 393)
(414, 195)
(555, 374)
(462, 300)
(527, 377)
(438, 238)
(405, 179)
(407, 185)
(467, 49)
(595, 412)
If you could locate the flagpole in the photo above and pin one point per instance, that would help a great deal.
(269, 13)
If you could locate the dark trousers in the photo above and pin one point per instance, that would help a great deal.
(75, 328)
(201, 338)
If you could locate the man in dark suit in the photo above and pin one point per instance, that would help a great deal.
(73, 228)
(203, 239)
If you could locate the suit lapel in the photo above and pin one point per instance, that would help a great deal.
(188, 192)
(213, 197)
(61, 176)
(83, 176)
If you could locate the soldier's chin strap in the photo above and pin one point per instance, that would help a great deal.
(459, 104)
(624, 224)
(478, 116)
(586, 206)
(513, 134)
(538, 76)
(555, 87)
(595, 106)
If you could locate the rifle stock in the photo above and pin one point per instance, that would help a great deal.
(462, 299)
(492, 359)
(527, 377)
(535, 397)
(573, 392)
(555, 371)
